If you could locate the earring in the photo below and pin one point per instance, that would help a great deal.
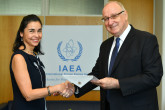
(21, 39)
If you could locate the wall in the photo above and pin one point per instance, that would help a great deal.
(76, 20)
(159, 33)
(163, 55)
(140, 16)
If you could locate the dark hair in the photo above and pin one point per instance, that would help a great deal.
(25, 21)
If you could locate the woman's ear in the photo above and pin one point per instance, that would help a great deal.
(21, 34)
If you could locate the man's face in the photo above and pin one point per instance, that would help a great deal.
(115, 19)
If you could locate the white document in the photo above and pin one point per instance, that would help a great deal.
(79, 80)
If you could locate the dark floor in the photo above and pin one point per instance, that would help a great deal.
(64, 105)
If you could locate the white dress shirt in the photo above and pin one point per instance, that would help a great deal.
(122, 38)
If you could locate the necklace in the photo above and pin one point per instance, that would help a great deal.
(29, 52)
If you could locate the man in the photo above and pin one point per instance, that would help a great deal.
(129, 81)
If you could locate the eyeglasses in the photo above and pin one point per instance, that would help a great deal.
(111, 17)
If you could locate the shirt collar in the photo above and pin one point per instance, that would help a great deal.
(125, 33)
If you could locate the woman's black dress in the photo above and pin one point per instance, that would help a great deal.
(37, 76)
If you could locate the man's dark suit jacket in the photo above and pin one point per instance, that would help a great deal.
(138, 67)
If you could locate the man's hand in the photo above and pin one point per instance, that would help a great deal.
(69, 91)
(107, 83)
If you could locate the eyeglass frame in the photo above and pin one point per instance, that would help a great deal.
(111, 17)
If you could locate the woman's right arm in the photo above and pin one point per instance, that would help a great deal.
(23, 81)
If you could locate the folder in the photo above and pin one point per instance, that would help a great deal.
(79, 80)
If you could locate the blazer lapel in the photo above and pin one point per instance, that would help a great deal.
(124, 48)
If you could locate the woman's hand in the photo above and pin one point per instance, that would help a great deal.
(69, 91)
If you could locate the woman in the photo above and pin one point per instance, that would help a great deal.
(26, 69)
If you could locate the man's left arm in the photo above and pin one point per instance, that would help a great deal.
(151, 67)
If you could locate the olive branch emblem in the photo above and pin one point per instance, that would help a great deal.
(63, 57)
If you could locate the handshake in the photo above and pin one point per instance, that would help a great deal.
(65, 89)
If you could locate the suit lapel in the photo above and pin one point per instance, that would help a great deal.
(126, 44)
(109, 45)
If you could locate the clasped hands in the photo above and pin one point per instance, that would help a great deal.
(66, 90)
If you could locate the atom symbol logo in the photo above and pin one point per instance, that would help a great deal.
(69, 49)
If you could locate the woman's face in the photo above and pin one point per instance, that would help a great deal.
(32, 34)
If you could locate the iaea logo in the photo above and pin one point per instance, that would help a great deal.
(69, 51)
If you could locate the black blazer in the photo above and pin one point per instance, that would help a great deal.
(138, 67)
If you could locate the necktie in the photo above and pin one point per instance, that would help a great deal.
(113, 57)
(114, 54)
